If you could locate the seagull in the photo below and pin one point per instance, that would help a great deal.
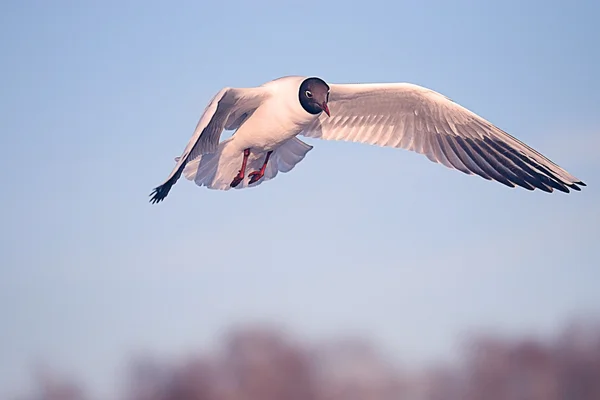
(268, 118)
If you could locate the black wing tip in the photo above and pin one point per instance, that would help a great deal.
(576, 186)
(159, 193)
(564, 188)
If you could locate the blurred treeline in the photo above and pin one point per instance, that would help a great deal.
(271, 364)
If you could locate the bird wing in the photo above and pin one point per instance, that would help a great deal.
(418, 119)
(228, 109)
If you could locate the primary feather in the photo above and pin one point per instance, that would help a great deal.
(418, 119)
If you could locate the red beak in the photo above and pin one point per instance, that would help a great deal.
(325, 108)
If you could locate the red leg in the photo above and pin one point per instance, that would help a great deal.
(240, 176)
(256, 175)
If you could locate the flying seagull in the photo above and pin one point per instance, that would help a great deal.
(267, 120)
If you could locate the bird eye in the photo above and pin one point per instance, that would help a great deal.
(308, 94)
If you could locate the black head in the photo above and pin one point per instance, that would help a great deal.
(314, 95)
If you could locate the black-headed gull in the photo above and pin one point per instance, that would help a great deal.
(267, 119)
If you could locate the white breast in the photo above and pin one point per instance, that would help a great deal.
(278, 119)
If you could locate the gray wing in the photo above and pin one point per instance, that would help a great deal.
(227, 110)
(414, 118)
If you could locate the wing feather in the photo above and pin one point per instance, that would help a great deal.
(418, 119)
(228, 109)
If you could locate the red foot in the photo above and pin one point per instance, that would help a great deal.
(255, 176)
(240, 176)
(236, 181)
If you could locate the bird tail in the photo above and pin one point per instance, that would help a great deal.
(217, 170)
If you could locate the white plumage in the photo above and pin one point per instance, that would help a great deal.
(216, 170)
(269, 117)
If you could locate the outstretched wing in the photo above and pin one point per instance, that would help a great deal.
(227, 110)
(414, 118)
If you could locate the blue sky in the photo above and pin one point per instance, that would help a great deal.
(97, 99)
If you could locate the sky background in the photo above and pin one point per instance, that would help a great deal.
(97, 98)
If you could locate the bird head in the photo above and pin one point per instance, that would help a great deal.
(314, 95)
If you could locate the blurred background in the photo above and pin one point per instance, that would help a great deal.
(365, 273)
